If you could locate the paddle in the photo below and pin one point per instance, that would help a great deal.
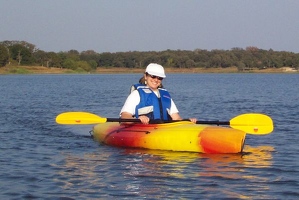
(252, 123)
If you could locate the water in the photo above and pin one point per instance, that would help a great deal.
(43, 160)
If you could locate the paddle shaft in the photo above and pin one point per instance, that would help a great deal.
(218, 123)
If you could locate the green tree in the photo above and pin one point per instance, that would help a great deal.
(106, 59)
(296, 61)
(83, 65)
(89, 54)
(93, 64)
(41, 58)
(21, 54)
(54, 59)
(69, 64)
(190, 63)
(4, 55)
(73, 54)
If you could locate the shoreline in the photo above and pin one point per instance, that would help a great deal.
(112, 70)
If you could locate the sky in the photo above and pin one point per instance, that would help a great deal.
(151, 25)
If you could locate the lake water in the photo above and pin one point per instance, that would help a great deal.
(43, 160)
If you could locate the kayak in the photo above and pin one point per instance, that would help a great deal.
(176, 136)
(182, 135)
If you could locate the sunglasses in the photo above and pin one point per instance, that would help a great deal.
(153, 76)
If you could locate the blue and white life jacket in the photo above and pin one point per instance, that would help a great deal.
(152, 106)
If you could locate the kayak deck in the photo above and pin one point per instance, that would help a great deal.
(177, 136)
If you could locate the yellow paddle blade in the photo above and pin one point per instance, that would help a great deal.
(253, 123)
(79, 118)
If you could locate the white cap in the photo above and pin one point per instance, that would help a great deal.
(155, 69)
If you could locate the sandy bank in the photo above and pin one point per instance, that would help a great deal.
(45, 70)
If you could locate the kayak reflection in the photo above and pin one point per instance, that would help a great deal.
(149, 173)
(260, 156)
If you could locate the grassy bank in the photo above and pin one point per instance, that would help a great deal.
(111, 70)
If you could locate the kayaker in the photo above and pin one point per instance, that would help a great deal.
(147, 98)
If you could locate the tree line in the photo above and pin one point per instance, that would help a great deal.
(20, 53)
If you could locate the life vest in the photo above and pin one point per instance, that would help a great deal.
(137, 86)
(152, 106)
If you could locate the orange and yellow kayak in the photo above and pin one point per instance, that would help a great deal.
(176, 136)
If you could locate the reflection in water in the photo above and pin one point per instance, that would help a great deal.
(138, 172)
(258, 157)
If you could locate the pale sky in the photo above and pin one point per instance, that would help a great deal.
(151, 25)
